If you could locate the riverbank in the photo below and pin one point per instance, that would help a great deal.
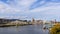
(8, 25)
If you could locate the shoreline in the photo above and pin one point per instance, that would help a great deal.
(9, 25)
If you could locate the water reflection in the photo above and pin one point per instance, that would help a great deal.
(30, 29)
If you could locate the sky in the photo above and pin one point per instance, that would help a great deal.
(28, 9)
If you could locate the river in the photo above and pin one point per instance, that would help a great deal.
(28, 29)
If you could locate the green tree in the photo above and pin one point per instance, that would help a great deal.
(55, 29)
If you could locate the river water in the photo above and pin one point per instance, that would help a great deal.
(28, 29)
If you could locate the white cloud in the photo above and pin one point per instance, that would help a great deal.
(16, 6)
(48, 6)
(22, 6)
(5, 8)
(52, 12)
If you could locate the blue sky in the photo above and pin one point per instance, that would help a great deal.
(27, 9)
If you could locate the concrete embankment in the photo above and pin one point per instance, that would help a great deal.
(16, 23)
(8, 25)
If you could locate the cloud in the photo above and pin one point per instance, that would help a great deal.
(40, 3)
(21, 4)
(17, 5)
(14, 8)
(11, 8)
(50, 10)
(47, 6)
(4, 8)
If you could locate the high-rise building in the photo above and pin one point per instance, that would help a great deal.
(33, 20)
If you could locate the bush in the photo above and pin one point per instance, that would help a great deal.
(55, 29)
